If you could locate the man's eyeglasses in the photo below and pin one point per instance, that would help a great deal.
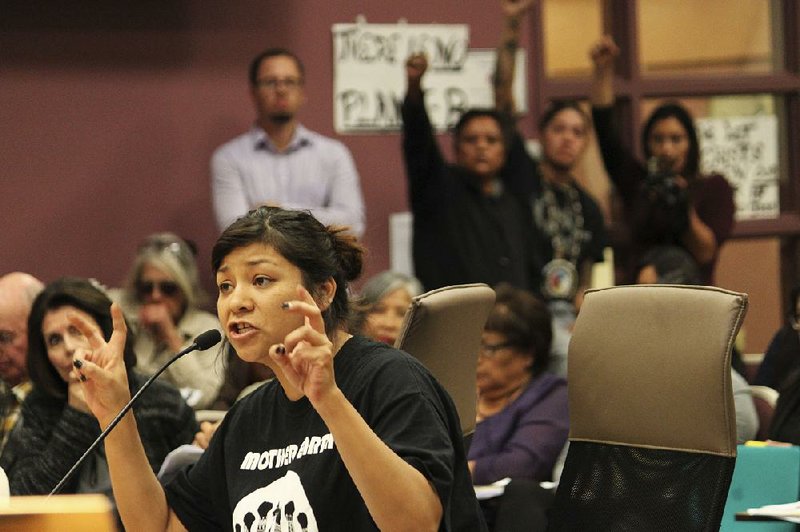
(274, 83)
(490, 350)
(146, 288)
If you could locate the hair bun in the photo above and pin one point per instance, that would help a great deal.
(348, 249)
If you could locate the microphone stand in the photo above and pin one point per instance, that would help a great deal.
(127, 407)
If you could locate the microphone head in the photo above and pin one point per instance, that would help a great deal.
(207, 339)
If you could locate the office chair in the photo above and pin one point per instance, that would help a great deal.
(652, 421)
(442, 329)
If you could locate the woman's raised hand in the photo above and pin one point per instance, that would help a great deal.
(514, 8)
(416, 65)
(306, 355)
(101, 370)
(603, 52)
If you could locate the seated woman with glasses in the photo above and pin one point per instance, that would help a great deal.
(162, 298)
(523, 420)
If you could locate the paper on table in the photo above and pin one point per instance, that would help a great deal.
(491, 490)
(787, 512)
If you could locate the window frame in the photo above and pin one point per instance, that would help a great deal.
(632, 88)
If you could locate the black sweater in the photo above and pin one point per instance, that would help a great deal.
(51, 436)
(461, 235)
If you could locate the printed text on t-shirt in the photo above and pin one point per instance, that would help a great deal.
(286, 455)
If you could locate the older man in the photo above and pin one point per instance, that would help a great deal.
(17, 292)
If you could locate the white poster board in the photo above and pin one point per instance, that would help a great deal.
(401, 227)
(744, 150)
(369, 80)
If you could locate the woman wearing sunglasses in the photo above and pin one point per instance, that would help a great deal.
(162, 298)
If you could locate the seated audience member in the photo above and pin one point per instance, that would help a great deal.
(56, 425)
(667, 200)
(780, 370)
(382, 304)
(467, 227)
(674, 265)
(17, 292)
(523, 419)
(783, 353)
(162, 298)
(272, 463)
(785, 426)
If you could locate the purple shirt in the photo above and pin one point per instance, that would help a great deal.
(525, 438)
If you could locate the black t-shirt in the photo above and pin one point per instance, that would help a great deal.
(461, 234)
(521, 174)
(273, 461)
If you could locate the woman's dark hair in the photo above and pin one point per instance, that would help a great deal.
(673, 265)
(320, 252)
(792, 310)
(556, 107)
(678, 112)
(83, 294)
(525, 322)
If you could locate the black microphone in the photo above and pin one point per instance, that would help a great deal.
(202, 342)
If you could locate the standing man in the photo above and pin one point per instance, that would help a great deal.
(467, 227)
(17, 292)
(280, 162)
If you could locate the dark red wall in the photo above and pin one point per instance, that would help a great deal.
(109, 112)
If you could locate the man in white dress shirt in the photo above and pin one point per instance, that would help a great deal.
(280, 162)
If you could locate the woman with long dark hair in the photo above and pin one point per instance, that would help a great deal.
(56, 424)
(667, 200)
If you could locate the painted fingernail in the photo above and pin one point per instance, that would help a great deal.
(285, 305)
(77, 363)
(281, 350)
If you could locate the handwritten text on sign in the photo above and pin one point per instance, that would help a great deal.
(370, 82)
(744, 150)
